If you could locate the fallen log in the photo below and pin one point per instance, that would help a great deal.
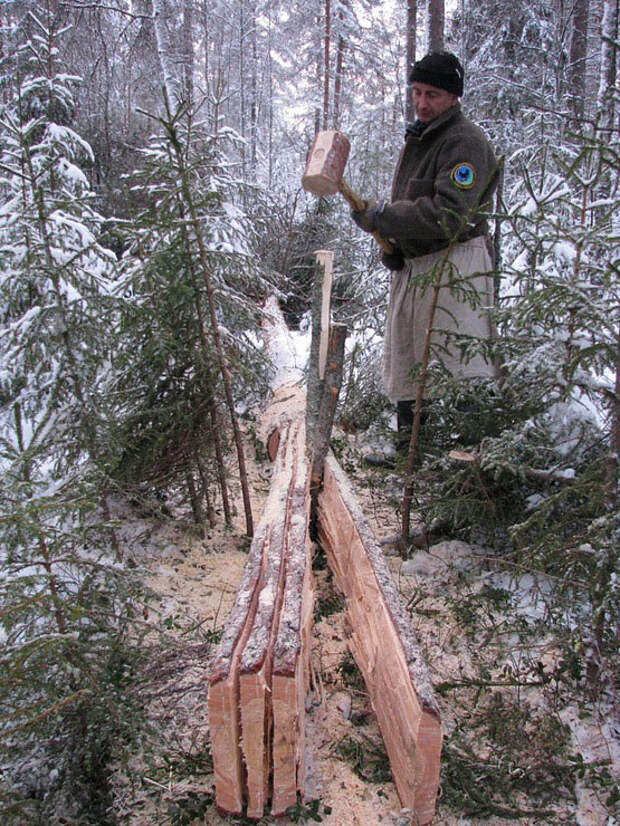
(291, 663)
(260, 674)
(223, 698)
(286, 513)
(383, 644)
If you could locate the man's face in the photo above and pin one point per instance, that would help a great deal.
(430, 102)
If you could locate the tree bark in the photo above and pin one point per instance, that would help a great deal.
(326, 73)
(319, 339)
(415, 428)
(329, 401)
(188, 52)
(577, 59)
(165, 54)
(339, 67)
(436, 18)
(412, 26)
(609, 49)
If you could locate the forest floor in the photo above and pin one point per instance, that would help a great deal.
(520, 745)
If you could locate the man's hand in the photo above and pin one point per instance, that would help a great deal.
(394, 261)
(366, 219)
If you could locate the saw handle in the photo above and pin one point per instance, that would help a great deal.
(358, 205)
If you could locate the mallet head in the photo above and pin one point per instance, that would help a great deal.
(326, 163)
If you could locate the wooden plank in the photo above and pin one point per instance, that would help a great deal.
(257, 657)
(240, 642)
(329, 400)
(291, 665)
(255, 678)
(325, 258)
(319, 315)
(384, 645)
(269, 627)
(223, 699)
(255, 683)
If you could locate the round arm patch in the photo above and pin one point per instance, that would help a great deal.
(463, 175)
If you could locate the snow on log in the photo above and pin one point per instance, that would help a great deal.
(383, 644)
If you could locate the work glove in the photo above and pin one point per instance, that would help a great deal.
(394, 261)
(366, 218)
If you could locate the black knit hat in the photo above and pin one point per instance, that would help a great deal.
(440, 69)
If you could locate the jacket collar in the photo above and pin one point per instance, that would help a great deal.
(446, 117)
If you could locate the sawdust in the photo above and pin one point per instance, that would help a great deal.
(194, 581)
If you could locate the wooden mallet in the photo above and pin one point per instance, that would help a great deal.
(324, 170)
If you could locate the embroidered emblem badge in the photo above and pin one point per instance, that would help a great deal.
(463, 175)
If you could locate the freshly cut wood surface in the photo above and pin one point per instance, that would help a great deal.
(383, 644)
(257, 657)
(291, 664)
(269, 628)
(223, 700)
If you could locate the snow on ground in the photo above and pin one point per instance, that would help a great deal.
(194, 581)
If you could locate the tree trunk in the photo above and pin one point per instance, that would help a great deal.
(196, 230)
(204, 482)
(614, 458)
(254, 90)
(412, 25)
(188, 52)
(242, 127)
(215, 429)
(165, 54)
(415, 428)
(436, 17)
(270, 97)
(320, 311)
(577, 60)
(326, 75)
(609, 49)
(195, 502)
(338, 80)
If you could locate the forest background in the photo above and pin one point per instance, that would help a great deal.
(150, 162)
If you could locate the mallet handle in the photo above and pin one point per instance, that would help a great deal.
(358, 205)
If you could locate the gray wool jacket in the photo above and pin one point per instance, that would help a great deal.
(443, 185)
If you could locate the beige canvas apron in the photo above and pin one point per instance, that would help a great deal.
(408, 315)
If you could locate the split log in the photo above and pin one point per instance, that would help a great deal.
(332, 382)
(383, 644)
(320, 312)
(223, 701)
(291, 665)
(260, 676)
(257, 659)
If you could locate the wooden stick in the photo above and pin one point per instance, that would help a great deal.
(291, 663)
(325, 258)
(321, 298)
(384, 645)
(223, 701)
(329, 401)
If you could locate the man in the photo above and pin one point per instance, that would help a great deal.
(443, 184)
